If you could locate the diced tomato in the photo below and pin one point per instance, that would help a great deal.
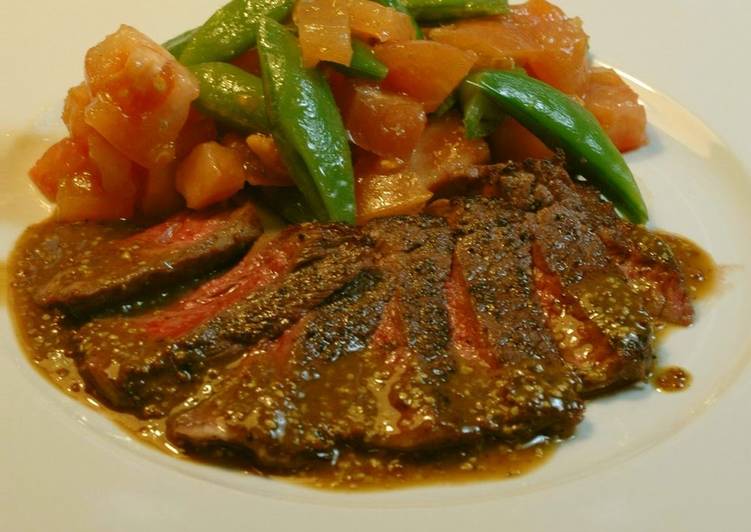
(424, 70)
(372, 21)
(210, 174)
(160, 196)
(343, 89)
(499, 42)
(445, 151)
(117, 174)
(249, 62)
(141, 96)
(387, 188)
(563, 61)
(79, 97)
(273, 172)
(64, 158)
(616, 106)
(384, 123)
(80, 197)
(513, 142)
(324, 32)
(198, 129)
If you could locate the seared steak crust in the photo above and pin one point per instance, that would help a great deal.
(489, 317)
(183, 247)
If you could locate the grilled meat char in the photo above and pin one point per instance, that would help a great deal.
(185, 246)
(646, 260)
(488, 317)
(148, 363)
(379, 365)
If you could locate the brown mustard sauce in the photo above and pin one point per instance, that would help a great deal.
(48, 341)
(671, 379)
(701, 275)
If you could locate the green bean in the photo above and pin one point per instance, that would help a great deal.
(232, 96)
(176, 45)
(481, 115)
(439, 10)
(232, 30)
(306, 124)
(561, 122)
(399, 6)
(445, 106)
(364, 63)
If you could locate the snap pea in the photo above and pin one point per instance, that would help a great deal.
(446, 105)
(231, 30)
(481, 115)
(306, 124)
(177, 44)
(560, 122)
(232, 96)
(399, 6)
(440, 10)
(364, 63)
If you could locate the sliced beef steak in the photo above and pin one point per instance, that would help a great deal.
(185, 246)
(148, 363)
(600, 323)
(487, 318)
(361, 369)
(645, 258)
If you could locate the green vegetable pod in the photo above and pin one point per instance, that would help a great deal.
(440, 10)
(306, 125)
(399, 6)
(481, 115)
(176, 45)
(364, 63)
(231, 30)
(560, 122)
(232, 96)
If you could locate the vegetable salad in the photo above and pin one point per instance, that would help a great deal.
(341, 110)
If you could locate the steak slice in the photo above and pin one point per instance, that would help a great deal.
(183, 247)
(600, 323)
(508, 356)
(356, 372)
(645, 258)
(147, 363)
(296, 397)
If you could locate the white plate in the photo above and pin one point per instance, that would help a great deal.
(642, 460)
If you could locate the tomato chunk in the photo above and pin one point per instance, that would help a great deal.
(372, 21)
(140, 96)
(617, 108)
(249, 62)
(445, 151)
(80, 197)
(384, 123)
(210, 174)
(160, 196)
(273, 171)
(324, 32)
(74, 112)
(64, 158)
(387, 187)
(563, 61)
(499, 42)
(513, 142)
(198, 129)
(424, 70)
